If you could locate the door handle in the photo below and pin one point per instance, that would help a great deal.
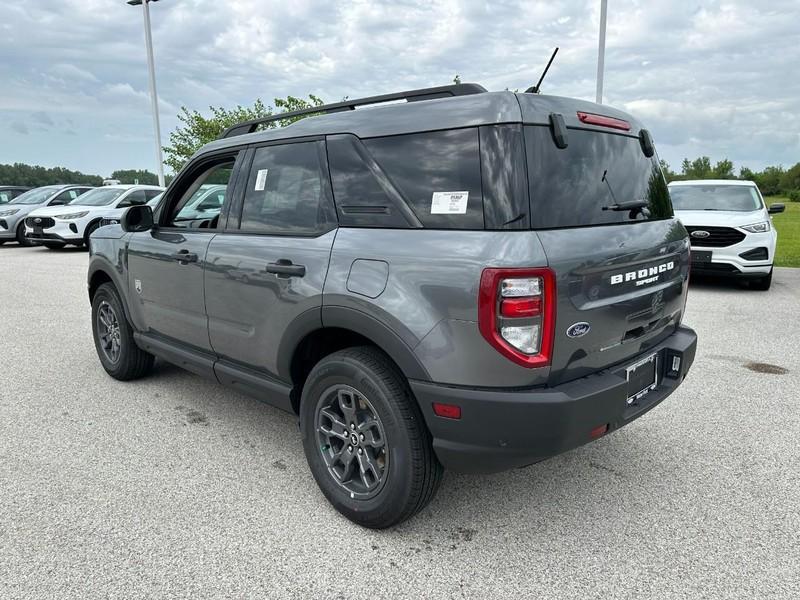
(285, 268)
(184, 257)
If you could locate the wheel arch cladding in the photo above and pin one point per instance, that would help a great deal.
(324, 341)
(98, 276)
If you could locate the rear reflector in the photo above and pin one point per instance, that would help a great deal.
(603, 121)
(448, 411)
(598, 431)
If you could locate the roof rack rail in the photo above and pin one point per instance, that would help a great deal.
(444, 91)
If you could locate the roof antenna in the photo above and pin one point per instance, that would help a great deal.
(535, 89)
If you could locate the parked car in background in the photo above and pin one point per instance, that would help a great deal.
(55, 227)
(9, 192)
(12, 215)
(114, 220)
(730, 228)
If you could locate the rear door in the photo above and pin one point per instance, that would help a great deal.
(265, 272)
(621, 274)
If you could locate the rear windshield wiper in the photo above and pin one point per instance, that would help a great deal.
(633, 205)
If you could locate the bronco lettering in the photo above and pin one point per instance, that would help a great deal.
(643, 276)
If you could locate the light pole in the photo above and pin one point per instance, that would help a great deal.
(148, 39)
(601, 50)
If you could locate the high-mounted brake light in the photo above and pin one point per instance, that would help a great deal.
(603, 121)
(516, 313)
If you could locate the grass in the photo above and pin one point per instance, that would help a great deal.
(788, 226)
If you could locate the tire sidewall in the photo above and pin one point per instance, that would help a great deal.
(107, 293)
(395, 492)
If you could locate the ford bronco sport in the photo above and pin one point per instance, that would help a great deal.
(466, 280)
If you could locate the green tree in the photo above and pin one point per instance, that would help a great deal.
(197, 130)
(769, 180)
(723, 170)
(790, 180)
(36, 176)
(135, 175)
(669, 174)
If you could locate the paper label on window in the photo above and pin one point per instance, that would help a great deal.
(261, 180)
(449, 203)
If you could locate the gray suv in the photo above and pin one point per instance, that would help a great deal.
(465, 280)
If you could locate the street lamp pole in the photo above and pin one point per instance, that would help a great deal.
(601, 50)
(148, 38)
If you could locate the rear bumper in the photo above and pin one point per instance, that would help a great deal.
(503, 429)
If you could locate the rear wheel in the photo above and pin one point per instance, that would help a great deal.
(113, 337)
(21, 240)
(762, 283)
(365, 439)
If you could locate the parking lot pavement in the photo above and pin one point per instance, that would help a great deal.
(174, 486)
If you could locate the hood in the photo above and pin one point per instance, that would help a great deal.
(720, 218)
(66, 209)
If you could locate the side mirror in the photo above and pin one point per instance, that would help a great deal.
(137, 218)
(776, 208)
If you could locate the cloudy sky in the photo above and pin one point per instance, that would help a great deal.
(720, 78)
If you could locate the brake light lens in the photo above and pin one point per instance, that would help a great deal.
(603, 121)
(516, 313)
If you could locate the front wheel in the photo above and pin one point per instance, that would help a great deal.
(21, 239)
(113, 337)
(365, 439)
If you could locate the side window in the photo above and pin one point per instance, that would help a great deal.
(286, 191)
(150, 194)
(133, 198)
(361, 196)
(201, 200)
(65, 197)
(438, 173)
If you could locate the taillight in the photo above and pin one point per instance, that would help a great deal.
(516, 313)
(603, 121)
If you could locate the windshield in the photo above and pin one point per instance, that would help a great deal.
(97, 197)
(36, 196)
(715, 197)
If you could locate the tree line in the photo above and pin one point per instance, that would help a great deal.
(772, 181)
(37, 176)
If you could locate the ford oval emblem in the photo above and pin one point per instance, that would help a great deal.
(700, 234)
(577, 330)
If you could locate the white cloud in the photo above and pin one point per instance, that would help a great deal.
(715, 77)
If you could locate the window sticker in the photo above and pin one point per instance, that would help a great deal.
(449, 203)
(261, 180)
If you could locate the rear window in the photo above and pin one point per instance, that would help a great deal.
(438, 173)
(578, 185)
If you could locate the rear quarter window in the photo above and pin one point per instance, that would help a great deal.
(423, 164)
(570, 187)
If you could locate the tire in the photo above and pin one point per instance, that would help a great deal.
(21, 240)
(2, 242)
(53, 246)
(129, 361)
(89, 230)
(762, 283)
(402, 474)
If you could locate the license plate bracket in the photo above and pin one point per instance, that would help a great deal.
(701, 256)
(642, 378)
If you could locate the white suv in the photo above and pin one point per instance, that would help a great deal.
(730, 228)
(57, 226)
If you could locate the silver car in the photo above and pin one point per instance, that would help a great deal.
(12, 215)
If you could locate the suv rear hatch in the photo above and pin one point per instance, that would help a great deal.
(621, 269)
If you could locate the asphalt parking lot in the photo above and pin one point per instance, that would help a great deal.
(176, 487)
